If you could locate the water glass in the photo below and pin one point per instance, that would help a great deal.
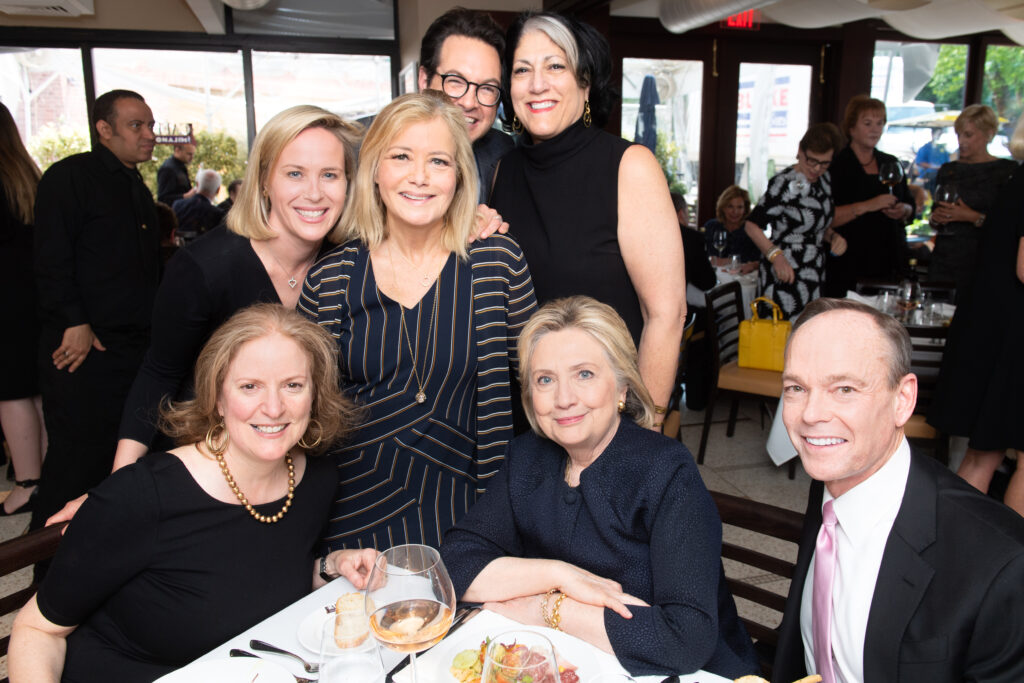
(342, 665)
(734, 264)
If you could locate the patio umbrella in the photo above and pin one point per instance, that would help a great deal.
(646, 125)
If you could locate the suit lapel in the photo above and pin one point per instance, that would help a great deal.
(903, 576)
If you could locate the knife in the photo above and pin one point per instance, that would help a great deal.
(462, 615)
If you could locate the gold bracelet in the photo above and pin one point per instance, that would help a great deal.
(660, 410)
(556, 618)
(773, 254)
(544, 606)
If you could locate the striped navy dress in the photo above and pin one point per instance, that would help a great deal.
(412, 470)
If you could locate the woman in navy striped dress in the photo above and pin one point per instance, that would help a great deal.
(426, 327)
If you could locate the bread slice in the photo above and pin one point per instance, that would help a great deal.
(350, 622)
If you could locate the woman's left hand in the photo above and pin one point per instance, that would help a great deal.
(954, 213)
(354, 565)
(898, 211)
(488, 222)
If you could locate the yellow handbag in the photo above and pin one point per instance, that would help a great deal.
(763, 341)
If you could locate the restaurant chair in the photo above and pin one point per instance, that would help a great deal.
(725, 311)
(928, 345)
(674, 407)
(16, 554)
(765, 521)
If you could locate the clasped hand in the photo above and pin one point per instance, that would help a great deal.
(75, 346)
(957, 212)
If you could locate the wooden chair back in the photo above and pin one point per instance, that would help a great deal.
(928, 346)
(18, 553)
(725, 312)
(766, 520)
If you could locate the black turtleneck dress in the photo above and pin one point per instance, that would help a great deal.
(560, 198)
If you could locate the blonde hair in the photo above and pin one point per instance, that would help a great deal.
(605, 327)
(250, 214)
(365, 216)
(730, 193)
(1017, 140)
(332, 414)
(981, 117)
(18, 172)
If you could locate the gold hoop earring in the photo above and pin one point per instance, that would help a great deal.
(210, 436)
(586, 114)
(517, 126)
(319, 435)
(622, 406)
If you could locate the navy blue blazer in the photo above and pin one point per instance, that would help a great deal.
(949, 599)
(640, 516)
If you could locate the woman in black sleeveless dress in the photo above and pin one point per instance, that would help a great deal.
(591, 211)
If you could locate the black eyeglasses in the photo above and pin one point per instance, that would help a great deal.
(456, 86)
(816, 163)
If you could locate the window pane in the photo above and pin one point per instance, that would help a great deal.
(205, 89)
(922, 85)
(774, 100)
(44, 91)
(676, 123)
(348, 85)
(1003, 90)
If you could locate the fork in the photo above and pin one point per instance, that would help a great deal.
(235, 652)
(260, 646)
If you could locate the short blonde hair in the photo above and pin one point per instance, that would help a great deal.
(1017, 140)
(605, 326)
(250, 214)
(332, 414)
(730, 193)
(981, 117)
(365, 216)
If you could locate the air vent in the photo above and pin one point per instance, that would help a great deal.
(49, 8)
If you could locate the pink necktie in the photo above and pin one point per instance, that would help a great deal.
(824, 573)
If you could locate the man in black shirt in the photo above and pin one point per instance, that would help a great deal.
(172, 182)
(97, 266)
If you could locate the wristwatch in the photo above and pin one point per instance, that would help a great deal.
(323, 570)
(981, 220)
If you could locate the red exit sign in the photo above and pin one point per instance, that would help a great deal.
(746, 21)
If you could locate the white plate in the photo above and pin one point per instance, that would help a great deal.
(433, 666)
(233, 670)
(309, 634)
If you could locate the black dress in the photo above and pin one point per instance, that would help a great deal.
(155, 572)
(876, 245)
(20, 341)
(956, 247)
(560, 198)
(981, 384)
(204, 285)
(640, 516)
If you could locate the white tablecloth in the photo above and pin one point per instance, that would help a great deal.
(282, 630)
(748, 284)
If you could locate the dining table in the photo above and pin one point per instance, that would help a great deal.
(283, 630)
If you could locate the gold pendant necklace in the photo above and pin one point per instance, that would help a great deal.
(421, 396)
(266, 519)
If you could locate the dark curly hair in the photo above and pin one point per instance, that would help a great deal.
(458, 21)
(592, 64)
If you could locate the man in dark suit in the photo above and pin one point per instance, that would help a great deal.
(927, 573)
(198, 214)
(172, 181)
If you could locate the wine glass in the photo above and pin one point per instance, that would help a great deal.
(890, 173)
(946, 193)
(720, 240)
(520, 657)
(410, 600)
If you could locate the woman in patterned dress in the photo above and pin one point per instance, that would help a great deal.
(798, 205)
(426, 329)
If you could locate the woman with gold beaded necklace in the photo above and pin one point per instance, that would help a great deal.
(180, 551)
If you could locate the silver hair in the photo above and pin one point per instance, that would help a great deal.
(560, 35)
(208, 181)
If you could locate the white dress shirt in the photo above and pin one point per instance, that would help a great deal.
(865, 515)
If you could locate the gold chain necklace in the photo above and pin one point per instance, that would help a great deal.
(421, 396)
(245, 501)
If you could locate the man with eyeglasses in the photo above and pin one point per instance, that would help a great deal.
(461, 56)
